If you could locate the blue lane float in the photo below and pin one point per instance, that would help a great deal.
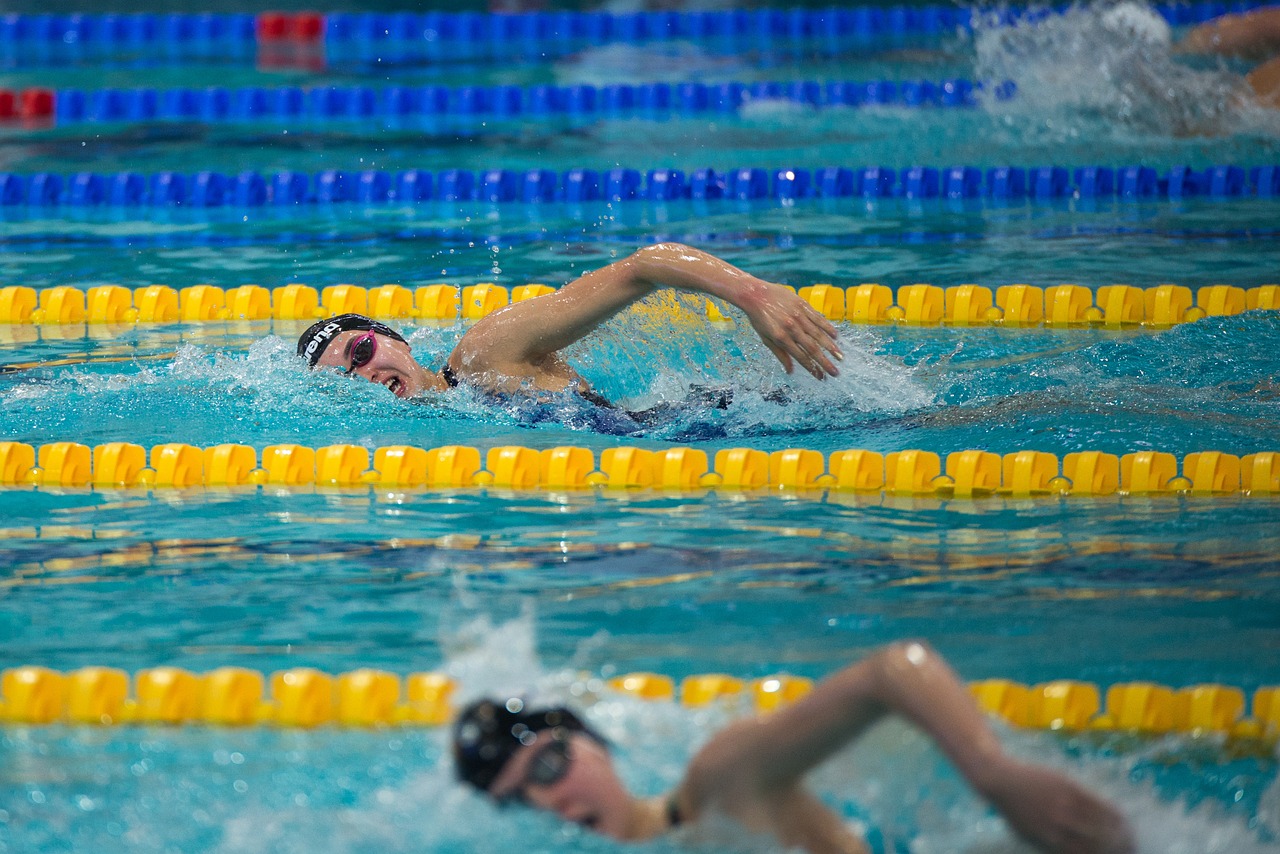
(216, 104)
(501, 34)
(1047, 184)
(487, 34)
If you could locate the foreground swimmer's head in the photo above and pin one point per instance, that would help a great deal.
(546, 758)
(366, 348)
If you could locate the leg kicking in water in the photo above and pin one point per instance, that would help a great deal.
(753, 770)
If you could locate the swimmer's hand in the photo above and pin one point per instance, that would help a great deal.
(1054, 813)
(793, 331)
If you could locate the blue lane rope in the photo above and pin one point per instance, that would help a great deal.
(210, 189)
(485, 34)
(504, 34)
(327, 103)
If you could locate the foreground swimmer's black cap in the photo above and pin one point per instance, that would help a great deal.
(487, 734)
(313, 342)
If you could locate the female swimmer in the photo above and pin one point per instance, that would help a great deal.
(517, 348)
(753, 770)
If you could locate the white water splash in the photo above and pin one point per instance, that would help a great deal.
(1112, 63)
(869, 381)
(657, 356)
(491, 659)
(671, 62)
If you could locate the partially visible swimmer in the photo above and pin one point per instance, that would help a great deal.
(752, 771)
(517, 348)
(1253, 35)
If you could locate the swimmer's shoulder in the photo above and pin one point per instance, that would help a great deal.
(725, 769)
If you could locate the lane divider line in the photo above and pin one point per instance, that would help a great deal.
(478, 35)
(304, 697)
(968, 474)
(399, 105)
(1018, 305)
(1000, 185)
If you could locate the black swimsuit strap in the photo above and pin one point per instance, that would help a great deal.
(674, 817)
(450, 378)
(596, 398)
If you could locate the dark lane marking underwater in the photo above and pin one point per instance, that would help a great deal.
(83, 359)
(456, 238)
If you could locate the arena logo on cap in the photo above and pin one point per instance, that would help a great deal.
(322, 338)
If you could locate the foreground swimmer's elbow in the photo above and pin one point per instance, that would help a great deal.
(913, 652)
(904, 659)
(667, 247)
(651, 266)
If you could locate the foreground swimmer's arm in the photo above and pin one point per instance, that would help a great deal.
(761, 761)
(521, 339)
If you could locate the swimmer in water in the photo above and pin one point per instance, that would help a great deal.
(1253, 35)
(753, 770)
(517, 348)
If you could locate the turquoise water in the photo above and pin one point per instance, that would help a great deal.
(531, 591)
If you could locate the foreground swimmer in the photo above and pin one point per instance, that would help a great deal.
(753, 770)
(517, 348)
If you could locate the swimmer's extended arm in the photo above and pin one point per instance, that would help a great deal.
(773, 753)
(1254, 35)
(528, 332)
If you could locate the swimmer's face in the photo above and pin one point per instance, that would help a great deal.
(382, 360)
(589, 793)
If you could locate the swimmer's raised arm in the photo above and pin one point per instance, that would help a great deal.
(768, 756)
(529, 332)
(1252, 35)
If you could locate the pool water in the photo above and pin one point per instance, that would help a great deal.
(555, 593)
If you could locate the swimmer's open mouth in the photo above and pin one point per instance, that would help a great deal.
(589, 821)
(394, 385)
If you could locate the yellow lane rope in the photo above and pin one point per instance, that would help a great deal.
(305, 697)
(1016, 305)
(961, 474)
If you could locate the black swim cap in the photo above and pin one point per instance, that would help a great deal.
(487, 734)
(313, 342)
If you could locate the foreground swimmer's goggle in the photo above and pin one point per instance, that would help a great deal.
(362, 350)
(548, 767)
(487, 734)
